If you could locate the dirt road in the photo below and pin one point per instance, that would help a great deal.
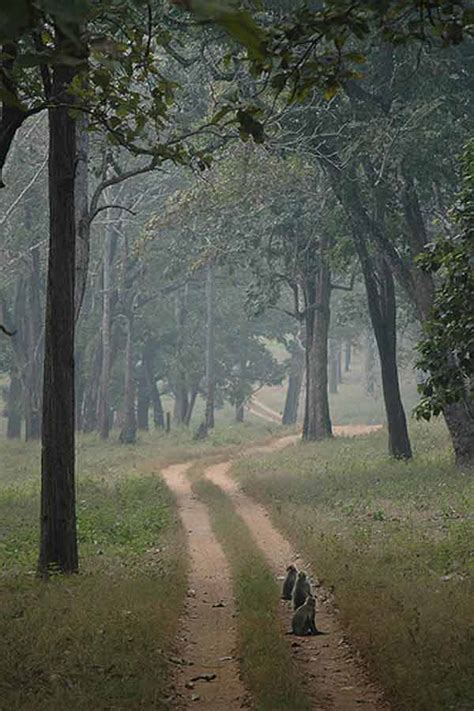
(334, 679)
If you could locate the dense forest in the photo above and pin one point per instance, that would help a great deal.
(234, 227)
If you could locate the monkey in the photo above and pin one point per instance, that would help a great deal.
(301, 590)
(289, 584)
(303, 622)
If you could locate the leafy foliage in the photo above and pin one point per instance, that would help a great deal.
(447, 348)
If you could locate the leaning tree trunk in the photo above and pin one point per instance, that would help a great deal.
(210, 374)
(382, 309)
(58, 546)
(317, 421)
(128, 434)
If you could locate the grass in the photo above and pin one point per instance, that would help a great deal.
(102, 639)
(394, 540)
(267, 668)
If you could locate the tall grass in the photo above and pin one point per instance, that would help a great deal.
(394, 540)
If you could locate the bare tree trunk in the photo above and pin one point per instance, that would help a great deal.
(58, 546)
(82, 212)
(128, 435)
(104, 405)
(333, 371)
(382, 309)
(89, 413)
(34, 353)
(143, 399)
(317, 421)
(369, 366)
(181, 403)
(158, 414)
(239, 412)
(347, 355)
(295, 381)
(210, 374)
(190, 408)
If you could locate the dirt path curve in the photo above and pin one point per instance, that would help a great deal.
(209, 634)
(334, 680)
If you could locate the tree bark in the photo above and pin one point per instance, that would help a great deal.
(89, 410)
(82, 212)
(34, 353)
(58, 546)
(317, 421)
(104, 405)
(333, 369)
(158, 414)
(369, 366)
(347, 355)
(292, 399)
(190, 408)
(128, 434)
(382, 309)
(181, 403)
(143, 399)
(210, 369)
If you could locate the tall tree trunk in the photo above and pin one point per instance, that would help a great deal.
(292, 399)
(89, 410)
(210, 369)
(369, 365)
(128, 435)
(382, 309)
(82, 212)
(333, 370)
(317, 421)
(104, 405)
(158, 414)
(190, 409)
(347, 355)
(181, 403)
(239, 412)
(143, 399)
(58, 547)
(14, 403)
(34, 353)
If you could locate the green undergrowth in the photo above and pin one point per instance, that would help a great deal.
(394, 540)
(267, 668)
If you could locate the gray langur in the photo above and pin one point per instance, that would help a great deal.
(289, 584)
(303, 622)
(301, 590)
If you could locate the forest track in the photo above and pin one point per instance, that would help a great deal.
(208, 636)
(334, 679)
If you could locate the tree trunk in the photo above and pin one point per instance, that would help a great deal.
(333, 370)
(190, 408)
(82, 212)
(34, 353)
(58, 547)
(292, 399)
(14, 403)
(239, 412)
(317, 421)
(158, 414)
(143, 400)
(382, 309)
(104, 405)
(128, 435)
(369, 366)
(89, 410)
(347, 355)
(460, 424)
(210, 374)
(181, 402)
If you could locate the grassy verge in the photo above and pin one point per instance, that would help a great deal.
(100, 640)
(394, 539)
(267, 668)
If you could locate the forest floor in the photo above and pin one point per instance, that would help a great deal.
(183, 547)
